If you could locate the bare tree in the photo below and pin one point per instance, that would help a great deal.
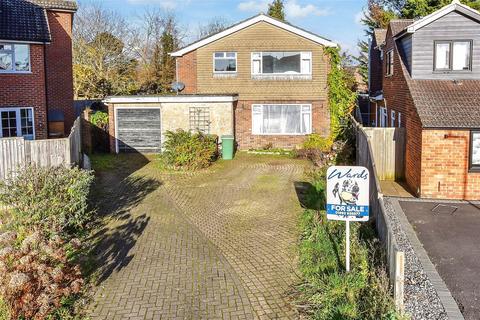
(215, 25)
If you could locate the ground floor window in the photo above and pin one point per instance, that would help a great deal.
(286, 119)
(17, 122)
(475, 150)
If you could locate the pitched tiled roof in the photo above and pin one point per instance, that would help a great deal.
(398, 25)
(447, 104)
(23, 20)
(380, 35)
(57, 4)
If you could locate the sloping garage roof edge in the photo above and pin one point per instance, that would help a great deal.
(170, 99)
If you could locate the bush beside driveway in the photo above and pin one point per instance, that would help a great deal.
(215, 244)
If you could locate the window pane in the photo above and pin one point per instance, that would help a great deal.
(4, 46)
(9, 123)
(281, 119)
(281, 62)
(230, 54)
(476, 149)
(22, 57)
(442, 58)
(225, 65)
(219, 54)
(27, 123)
(6, 61)
(461, 56)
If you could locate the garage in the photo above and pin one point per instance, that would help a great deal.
(138, 129)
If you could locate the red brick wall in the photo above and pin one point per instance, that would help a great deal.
(376, 75)
(187, 72)
(399, 99)
(445, 165)
(111, 128)
(247, 140)
(28, 90)
(59, 66)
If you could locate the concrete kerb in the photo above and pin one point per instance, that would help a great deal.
(451, 307)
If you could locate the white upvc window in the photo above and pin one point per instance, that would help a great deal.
(392, 118)
(389, 63)
(281, 63)
(224, 62)
(17, 122)
(281, 119)
(14, 58)
(453, 55)
(399, 119)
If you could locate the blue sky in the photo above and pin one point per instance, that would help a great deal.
(337, 20)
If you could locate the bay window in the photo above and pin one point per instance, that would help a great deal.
(475, 151)
(14, 57)
(281, 119)
(453, 55)
(17, 122)
(282, 63)
(225, 62)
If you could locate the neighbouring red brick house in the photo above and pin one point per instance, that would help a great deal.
(431, 85)
(36, 79)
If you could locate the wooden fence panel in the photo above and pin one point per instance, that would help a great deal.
(388, 147)
(15, 152)
(12, 155)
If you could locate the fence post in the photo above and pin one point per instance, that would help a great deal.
(399, 281)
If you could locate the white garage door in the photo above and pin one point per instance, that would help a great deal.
(138, 130)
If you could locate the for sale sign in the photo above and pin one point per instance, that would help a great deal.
(348, 193)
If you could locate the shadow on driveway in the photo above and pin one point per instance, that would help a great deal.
(450, 233)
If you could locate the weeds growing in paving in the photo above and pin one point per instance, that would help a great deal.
(328, 292)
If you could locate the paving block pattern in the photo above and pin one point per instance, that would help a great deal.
(219, 244)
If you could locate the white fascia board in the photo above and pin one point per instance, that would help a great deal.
(248, 23)
(23, 42)
(442, 12)
(169, 99)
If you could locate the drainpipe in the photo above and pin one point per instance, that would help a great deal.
(46, 87)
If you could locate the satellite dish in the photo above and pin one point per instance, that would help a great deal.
(178, 86)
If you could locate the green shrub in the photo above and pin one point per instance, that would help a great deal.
(99, 119)
(328, 292)
(53, 199)
(316, 141)
(192, 151)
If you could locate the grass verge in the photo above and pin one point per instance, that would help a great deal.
(327, 291)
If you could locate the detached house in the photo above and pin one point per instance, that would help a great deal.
(430, 84)
(262, 80)
(36, 83)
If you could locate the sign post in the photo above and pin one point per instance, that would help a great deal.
(348, 198)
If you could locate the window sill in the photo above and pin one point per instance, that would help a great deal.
(224, 75)
(288, 77)
(451, 71)
(474, 170)
(280, 134)
(15, 72)
(389, 75)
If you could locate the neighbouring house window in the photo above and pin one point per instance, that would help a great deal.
(14, 57)
(475, 150)
(453, 55)
(287, 119)
(17, 122)
(200, 119)
(389, 63)
(392, 118)
(225, 62)
(399, 119)
(282, 63)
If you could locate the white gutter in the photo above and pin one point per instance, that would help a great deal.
(169, 99)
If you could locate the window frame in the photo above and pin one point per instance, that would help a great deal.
(399, 120)
(450, 58)
(14, 65)
(18, 119)
(389, 63)
(304, 56)
(283, 104)
(392, 118)
(472, 167)
(225, 58)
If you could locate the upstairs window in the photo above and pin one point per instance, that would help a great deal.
(14, 57)
(225, 62)
(282, 63)
(389, 63)
(453, 55)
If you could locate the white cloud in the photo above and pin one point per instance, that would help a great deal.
(358, 17)
(292, 8)
(254, 6)
(295, 10)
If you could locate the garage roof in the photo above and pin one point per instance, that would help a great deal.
(172, 99)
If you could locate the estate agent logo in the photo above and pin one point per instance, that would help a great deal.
(348, 193)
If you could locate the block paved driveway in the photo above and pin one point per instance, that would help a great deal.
(219, 244)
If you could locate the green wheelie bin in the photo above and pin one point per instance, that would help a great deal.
(228, 145)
